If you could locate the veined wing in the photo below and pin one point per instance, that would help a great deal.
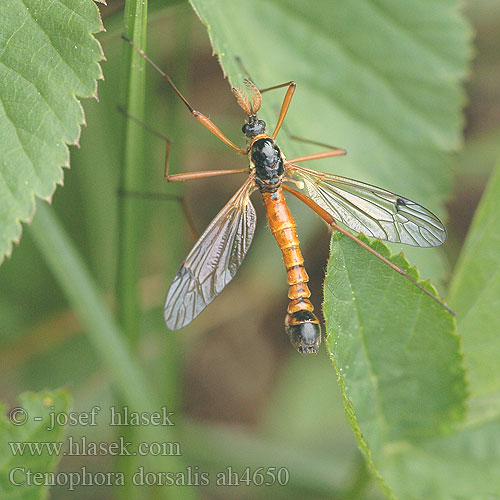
(213, 261)
(371, 210)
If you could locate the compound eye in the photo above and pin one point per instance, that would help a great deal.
(244, 129)
(262, 124)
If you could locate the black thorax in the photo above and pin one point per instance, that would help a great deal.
(267, 159)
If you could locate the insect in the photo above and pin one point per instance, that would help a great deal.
(220, 250)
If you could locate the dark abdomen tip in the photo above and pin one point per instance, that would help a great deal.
(304, 332)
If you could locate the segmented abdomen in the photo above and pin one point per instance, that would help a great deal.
(301, 323)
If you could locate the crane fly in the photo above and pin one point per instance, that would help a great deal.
(219, 252)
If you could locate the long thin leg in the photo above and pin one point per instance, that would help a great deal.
(332, 150)
(199, 116)
(285, 105)
(179, 177)
(164, 197)
(280, 86)
(202, 174)
(310, 141)
(331, 222)
(317, 156)
(144, 125)
(195, 175)
(172, 178)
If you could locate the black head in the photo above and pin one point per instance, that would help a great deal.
(254, 127)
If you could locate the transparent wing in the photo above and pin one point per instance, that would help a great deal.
(213, 261)
(371, 210)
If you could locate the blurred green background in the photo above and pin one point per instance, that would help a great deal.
(231, 376)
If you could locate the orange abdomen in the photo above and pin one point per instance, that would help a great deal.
(301, 323)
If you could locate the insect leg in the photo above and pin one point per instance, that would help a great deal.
(331, 222)
(158, 196)
(317, 156)
(171, 178)
(194, 175)
(332, 150)
(172, 197)
(184, 176)
(199, 116)
(201, 174)
(164, 197)
(286, 103)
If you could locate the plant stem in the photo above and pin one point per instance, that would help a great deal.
(81, 291)
(76, 282)
(130, 211)
(131, 178)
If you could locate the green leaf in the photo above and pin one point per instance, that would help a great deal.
(465, 464)
(379, 78)
(475, 292)
(47, 58)
(395, 351)
(461, 465)
(12, 437)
